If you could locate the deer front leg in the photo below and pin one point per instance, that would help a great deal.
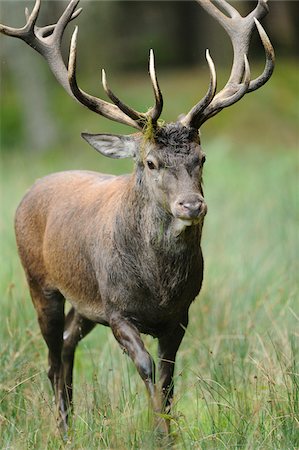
(76, 328)
(130, 340)
(168, 347)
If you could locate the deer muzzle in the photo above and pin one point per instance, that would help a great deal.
(189, 207)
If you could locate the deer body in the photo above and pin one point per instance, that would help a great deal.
(105, 248)
(125, 251)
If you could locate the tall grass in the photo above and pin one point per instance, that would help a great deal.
(237, 371)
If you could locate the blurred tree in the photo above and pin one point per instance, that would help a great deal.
(27, 76)
(284, 26)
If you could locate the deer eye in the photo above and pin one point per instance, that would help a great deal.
(203, 160)
(151, 165)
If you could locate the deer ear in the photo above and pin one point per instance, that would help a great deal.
(113, 145)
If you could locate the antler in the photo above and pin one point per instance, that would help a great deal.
(47, 41)
(239, 30)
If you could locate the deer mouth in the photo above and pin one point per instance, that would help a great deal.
(187, 219)
(180, 224)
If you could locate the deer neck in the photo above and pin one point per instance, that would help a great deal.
(153, 225)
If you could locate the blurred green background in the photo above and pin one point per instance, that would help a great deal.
(237, 373)
(37, 115)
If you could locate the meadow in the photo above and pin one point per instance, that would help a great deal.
(237, 384)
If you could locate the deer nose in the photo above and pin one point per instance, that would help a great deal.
(190, 208)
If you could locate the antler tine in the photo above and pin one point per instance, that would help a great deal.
(218, 14)
(27, 31)
(34, 15)
(239, 30)
(223, 101)
(27, 14)
(270, 60)
(48, 30)
(155, 112)
(95, 104)
(65, 18)
(193, 117)
(229, 9)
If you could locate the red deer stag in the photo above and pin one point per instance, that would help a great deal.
(125, 250)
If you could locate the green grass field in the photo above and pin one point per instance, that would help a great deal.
(237, 382)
